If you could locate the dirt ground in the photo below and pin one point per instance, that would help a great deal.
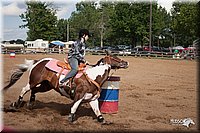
(153, 93)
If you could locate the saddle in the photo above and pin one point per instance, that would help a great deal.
(62, 66)
(65, 65)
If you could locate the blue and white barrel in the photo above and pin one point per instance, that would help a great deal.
(109, 97)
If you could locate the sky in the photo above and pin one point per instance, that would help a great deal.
(11, 9)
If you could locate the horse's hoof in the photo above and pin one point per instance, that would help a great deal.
(12, 107)
(71, 117)
(106, 123)
(30, 106)
(13, 104)
(100, 119)
(16, 105)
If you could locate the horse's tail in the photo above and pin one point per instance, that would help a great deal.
(16, 75)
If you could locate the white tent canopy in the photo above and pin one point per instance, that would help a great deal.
(179, 47)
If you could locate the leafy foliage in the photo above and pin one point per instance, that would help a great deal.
(62, 30)
(185, 22)
(115, 23)
(40, 20)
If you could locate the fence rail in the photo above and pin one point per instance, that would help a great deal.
(65, 51)
(135, 55)
(152, 55)
(34, 50)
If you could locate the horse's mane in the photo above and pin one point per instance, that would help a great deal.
(98, 63)
(98, 67)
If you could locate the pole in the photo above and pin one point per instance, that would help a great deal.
(67, 31)
(174, 40)
(150, 25)
(102, 28)
(102, 36)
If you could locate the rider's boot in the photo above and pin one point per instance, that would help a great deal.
(62, 84)
(73, 87)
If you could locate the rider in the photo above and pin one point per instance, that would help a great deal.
(76, 54)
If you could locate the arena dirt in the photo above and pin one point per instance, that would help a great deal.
(153, 92)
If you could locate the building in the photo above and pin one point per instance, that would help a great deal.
(37, 44)
(7, 48)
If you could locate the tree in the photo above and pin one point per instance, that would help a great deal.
(198, 19)
(86, 16)
(123, 23)
(162, 35)
(130, 22)
(40, 20)
(185, 22)
(120, 23)
(20, 41)
(62, 30)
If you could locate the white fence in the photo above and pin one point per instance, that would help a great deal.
(162, 55)
(34, 50)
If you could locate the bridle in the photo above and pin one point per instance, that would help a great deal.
(109, 62)
(110, 57)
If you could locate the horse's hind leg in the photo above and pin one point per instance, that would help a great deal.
(19, 102)
(32, 100)
(42, 87)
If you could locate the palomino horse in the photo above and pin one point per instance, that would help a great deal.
(42, 79)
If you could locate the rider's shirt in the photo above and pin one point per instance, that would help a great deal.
(77, 51)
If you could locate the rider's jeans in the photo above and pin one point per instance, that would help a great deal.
(74, 69)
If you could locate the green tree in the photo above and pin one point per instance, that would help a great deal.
(62, 30)
(94, 17)
(104, 29)
(130, 22)
(123, 23)
(20, 41)
(40, 19)
(184, 22)
(162, 35)
(86, 16)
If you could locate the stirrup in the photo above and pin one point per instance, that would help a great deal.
(64, 84)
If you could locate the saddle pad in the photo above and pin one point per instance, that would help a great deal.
(52, 65)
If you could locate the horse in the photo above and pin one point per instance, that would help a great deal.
(87, 86)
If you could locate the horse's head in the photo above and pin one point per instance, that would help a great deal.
(114, 61)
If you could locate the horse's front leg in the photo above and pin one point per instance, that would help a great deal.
(95, 106)
(71, 116)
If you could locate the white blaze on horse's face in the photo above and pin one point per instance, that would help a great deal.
(97, 71)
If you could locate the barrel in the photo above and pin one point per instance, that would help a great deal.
(12, 54)
(109, 97)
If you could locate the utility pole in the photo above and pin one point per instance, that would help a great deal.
(150, 26)
(174, 39)
(102, 28)
(101, 34)
(67, 30)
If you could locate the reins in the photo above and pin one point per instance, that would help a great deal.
(109, 57)
(95, 83)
